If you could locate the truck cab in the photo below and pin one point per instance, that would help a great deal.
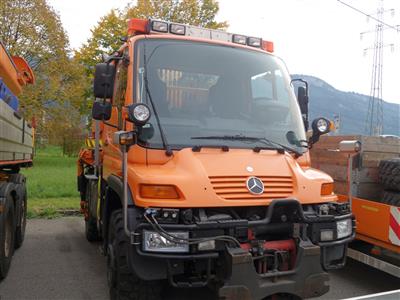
(201, 173)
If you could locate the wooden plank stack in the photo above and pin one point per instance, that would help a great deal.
(326, 157)
(16, 141)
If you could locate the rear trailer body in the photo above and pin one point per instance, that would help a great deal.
(16, 151)
(377, 219)
(16, 138)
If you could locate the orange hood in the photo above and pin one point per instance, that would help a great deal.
(214, 178)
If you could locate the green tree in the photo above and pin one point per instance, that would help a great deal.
(32, 29)
(105, 36)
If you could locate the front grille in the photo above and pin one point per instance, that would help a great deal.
(234, 187)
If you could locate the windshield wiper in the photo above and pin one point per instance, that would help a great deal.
(271, 145)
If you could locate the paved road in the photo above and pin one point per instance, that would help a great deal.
(56, 262)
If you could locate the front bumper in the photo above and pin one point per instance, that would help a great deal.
(233, 269)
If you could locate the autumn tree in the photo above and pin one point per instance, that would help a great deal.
(105, 36)
(33, 30)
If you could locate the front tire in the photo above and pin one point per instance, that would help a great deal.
(123, 283)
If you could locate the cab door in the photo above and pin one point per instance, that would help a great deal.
(112, 154)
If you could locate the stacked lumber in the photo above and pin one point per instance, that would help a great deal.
(16, 141)
(326, 157)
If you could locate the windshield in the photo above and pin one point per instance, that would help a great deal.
(202, 90)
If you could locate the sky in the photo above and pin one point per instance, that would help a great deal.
(314, 37)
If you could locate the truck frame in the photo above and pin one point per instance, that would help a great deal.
(16, 152)
(197, 171)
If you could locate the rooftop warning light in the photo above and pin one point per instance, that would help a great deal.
(239, 39)
(143, 26)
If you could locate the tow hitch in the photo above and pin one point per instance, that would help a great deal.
(272, 256)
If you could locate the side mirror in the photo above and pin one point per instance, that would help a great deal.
(139, 114)
(319, 126)
(101, 111)
(302, 99)
(104, 80)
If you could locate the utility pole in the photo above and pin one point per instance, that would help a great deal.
(374, 119)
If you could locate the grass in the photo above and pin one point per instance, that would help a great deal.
(51, 207)
(51, 184)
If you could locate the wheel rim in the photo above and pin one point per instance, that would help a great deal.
(8, 236)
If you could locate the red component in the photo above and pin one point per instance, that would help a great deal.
(288, 245)
(136, 26)
(250, 235)
(283, 245)
(268, 46)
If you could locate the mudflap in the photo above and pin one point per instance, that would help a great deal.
(306, 280)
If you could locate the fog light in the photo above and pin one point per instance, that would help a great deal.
(239, 39)
(344, 228)
(154, 242)
(326, 235)
(254, 42)
(207, 245)
(139, 113)
(177, 29)
(159, 26)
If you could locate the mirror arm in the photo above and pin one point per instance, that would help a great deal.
(312, 140)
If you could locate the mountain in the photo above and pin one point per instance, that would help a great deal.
(352, 107)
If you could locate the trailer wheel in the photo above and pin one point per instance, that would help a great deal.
(17, 178)
(391, 198)
(7, 235)
(389, 174)
(122, 282)
(22, 210)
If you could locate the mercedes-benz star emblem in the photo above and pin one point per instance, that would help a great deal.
(255, 185)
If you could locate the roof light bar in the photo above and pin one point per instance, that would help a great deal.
(159, 26)
(254, 42)
(268, 46)
(177, 29)
(239, 39)
(140, 26)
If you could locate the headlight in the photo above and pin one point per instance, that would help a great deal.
(139, 113)
(344, 228)
(154, 242)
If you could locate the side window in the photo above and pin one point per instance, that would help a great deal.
(120, 90)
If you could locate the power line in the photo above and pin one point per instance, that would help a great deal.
(369, 16)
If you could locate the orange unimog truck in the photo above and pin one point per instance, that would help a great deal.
(199, 172)
(16, 152)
